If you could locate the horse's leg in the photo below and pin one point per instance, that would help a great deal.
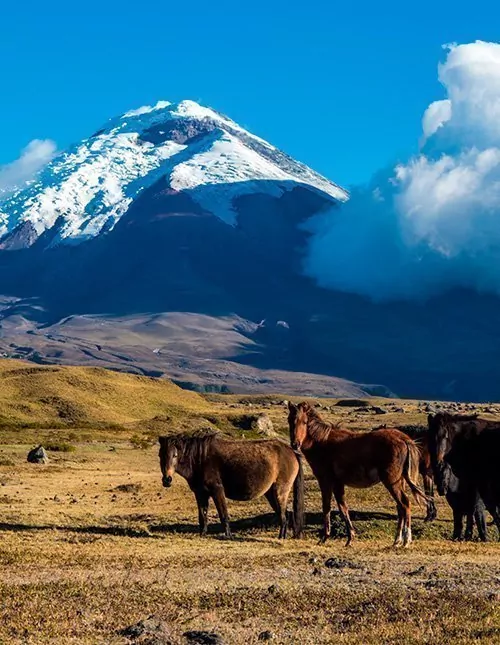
(405, 500)
(469, 527)
(273, 498)
(457, 524)
(221, 504)
(429, 491)
(326, 497)
(339, 492)
(202, 499)
(490, 503)
(480, 522)
(403, 531)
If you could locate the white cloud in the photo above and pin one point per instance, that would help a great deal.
(32, 159)
(437, 225)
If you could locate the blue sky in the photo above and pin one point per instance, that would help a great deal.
(341, 86)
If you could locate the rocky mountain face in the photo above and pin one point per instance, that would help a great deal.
(171, 242)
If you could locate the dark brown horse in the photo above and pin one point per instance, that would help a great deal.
(218, 468)
(471, 447)
(341, 458)
(420, 435)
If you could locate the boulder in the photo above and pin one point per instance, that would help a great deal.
(197, 637)
(38, 456)
(149, 631)
(263, 425)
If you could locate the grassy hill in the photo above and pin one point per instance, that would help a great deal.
(83, 397)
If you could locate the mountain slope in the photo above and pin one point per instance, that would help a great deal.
(176, 213)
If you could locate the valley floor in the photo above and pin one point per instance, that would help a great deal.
(91, 543)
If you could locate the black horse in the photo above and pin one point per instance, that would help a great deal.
(471, 447)
(465, 502)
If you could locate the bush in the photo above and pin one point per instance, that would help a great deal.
(142, 442)
(60, 446)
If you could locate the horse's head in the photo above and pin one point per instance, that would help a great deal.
(440, 435)
(444, 429)
(169, 457)
(297, 423)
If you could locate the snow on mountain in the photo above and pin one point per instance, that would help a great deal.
(87, 189)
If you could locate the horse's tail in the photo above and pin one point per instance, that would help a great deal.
(298, 500)
(410, 470)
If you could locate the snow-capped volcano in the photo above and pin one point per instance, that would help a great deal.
(194, 150)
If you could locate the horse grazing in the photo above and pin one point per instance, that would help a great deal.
(240, 470)
(471, 447)
(340, 458)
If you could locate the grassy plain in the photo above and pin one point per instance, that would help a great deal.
(91, 543)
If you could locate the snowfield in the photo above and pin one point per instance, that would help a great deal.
(86, 190)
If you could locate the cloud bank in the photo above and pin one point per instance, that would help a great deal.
(433, 223)
(32, 159)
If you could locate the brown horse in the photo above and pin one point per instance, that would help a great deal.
(241, 470)
(420, 435)
(341, 458)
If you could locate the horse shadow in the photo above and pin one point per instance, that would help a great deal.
(242, 528)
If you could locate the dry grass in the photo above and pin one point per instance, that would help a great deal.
(91, 542)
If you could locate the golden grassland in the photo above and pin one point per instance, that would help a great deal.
(91, 542)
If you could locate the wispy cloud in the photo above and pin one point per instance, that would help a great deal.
(31, 160)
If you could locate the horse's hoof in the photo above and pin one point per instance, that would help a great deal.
(323, 539)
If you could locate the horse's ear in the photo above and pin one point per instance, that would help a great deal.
(163, 441)
(291, 406)
(430, 419)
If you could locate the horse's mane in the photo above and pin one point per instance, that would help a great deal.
(448, 416)
(318, 428)
(193, 449)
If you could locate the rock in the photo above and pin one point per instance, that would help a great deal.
(378, 410)
(263, 425)
(399, 410)
(38, 456)
(266, 636)
(340, 563)
(150, 631)
(197, 637)
(352, 403)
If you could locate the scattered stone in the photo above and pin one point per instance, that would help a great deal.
(263, 425)
(197, 637)
(128, 488)
(150, 631)
(340, 563)
(316, 571)
(38, 456)
(352, 403)
(266, 635)
(378, 410)
(400, 410)
(272, 589)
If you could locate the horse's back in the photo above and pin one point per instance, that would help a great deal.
(249, 468)
(360, 459)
